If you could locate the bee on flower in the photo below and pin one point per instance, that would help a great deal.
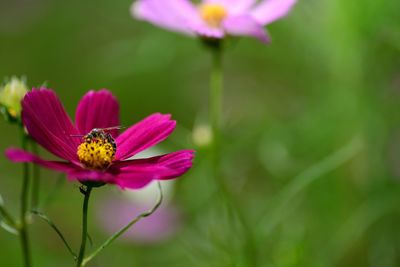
(101, 155)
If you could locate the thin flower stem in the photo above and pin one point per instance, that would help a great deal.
(84, 225)
(35, 178)
(23, 231)
(126, 228)
(216, 92)
(216, 102)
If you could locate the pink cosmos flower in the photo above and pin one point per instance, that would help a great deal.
(213, 18)
(92, 152)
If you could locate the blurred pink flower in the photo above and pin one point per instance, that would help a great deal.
(114, 213)
(92, 153)
(213, 18)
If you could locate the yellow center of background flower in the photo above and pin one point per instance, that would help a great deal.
(213, 14)
(97, 151)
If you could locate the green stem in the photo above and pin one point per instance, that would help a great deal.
(216, 101)
(215, 105)
(126, 228)
(35, 178)
(84, 225)
(216, 92)
(23, 231)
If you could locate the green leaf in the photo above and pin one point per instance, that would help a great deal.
(7, 222)
(8, 228)
(52, 225)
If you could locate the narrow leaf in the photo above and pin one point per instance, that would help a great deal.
(8, 228)
(6, 216)
(52, 225)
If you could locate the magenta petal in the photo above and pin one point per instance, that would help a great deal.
(19, 155)
(247, 26)
(131, 180)
(138, 173)
(270, 10)
(175, 15)
(91, 175)
(48, 123)
(97, 110)
(74, 172)
(144, 134)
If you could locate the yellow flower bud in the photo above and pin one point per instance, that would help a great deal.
(202, 135)
(11, 95)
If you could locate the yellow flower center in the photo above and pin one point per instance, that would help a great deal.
(97, 150)
(213, 14)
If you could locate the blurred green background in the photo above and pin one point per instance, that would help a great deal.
(312, 136)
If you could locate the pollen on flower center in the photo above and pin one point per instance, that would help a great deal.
(97, 150)
(213, 14)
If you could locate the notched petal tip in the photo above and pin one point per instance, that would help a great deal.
(174, 15)
(268, 11)
(97, 109)
(135, 9)
(15, 155)
(18, 155)
(48, 123)
(245, 25)
(137, 173)
(175, 164)
(37, 91)
(73, 172)
(144, 134)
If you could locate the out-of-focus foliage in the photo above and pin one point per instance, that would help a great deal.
(312, 131)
